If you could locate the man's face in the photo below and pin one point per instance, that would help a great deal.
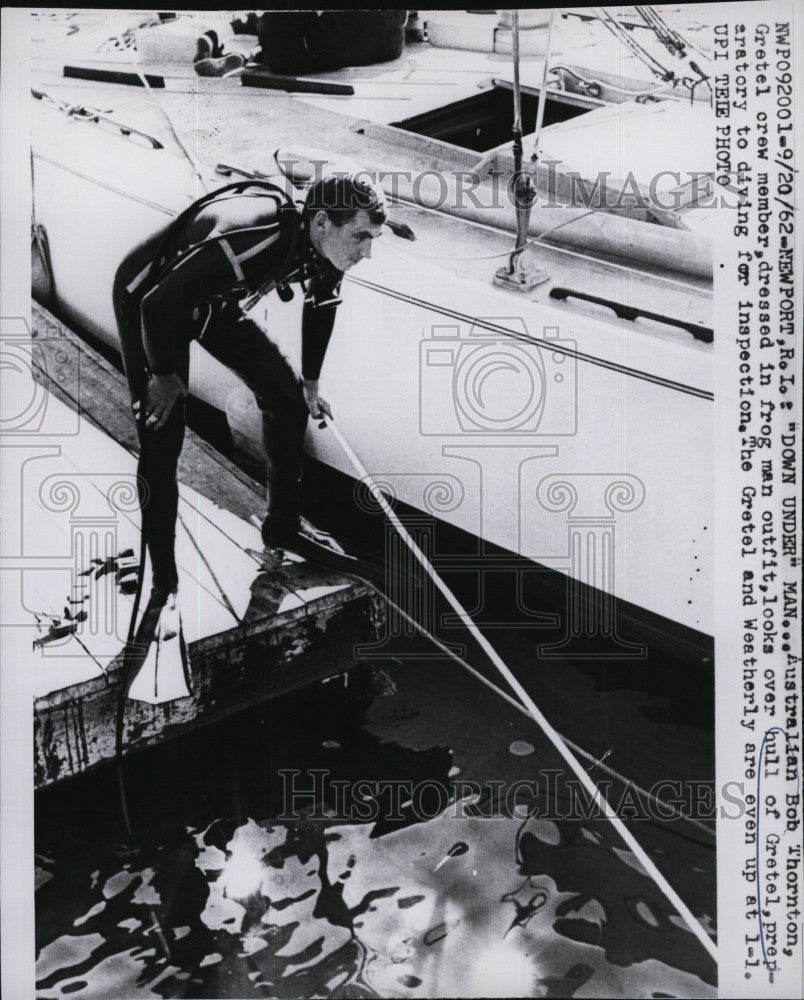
(346, 245)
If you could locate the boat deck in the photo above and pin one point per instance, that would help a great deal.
(251, 634)
(223, 127)
(222, 122)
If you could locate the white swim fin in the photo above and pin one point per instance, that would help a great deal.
(164, 675)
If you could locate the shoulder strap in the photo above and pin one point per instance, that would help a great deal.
(286, 207)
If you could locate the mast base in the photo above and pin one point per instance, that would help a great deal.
(523, 274)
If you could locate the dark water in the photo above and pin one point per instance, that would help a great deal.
(224, 897)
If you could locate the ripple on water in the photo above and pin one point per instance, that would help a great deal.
(495, 906)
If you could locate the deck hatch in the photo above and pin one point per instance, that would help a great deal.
(485, 120)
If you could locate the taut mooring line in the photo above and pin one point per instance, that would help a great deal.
(554, 737)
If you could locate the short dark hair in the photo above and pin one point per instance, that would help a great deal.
(342, 196)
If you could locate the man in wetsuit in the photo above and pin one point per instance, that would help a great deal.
(188, 283)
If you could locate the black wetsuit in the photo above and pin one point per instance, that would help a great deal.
(209, 262)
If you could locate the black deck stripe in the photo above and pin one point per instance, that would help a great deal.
(464, 317)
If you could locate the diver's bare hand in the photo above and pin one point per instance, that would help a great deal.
(161, 394)
(317, 406)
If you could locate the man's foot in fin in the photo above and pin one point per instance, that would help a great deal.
(170, 617)
(164, 603)
(304, 540)
(164, 674)
(279, 532)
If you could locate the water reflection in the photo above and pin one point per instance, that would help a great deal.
(231, 902)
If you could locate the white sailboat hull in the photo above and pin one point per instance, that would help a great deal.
(586, 449)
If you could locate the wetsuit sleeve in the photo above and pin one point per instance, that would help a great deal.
(318, 319)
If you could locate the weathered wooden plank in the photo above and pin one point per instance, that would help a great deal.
(82, 519)
(285, 629)
(93, 387)
(74, 729)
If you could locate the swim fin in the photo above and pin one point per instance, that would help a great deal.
(164, 675)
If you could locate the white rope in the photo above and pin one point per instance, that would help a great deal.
(534, 156)
(594, 761)
(641, 53)
(532, 242)
(157, 104)
(555, 247)
(554, 737)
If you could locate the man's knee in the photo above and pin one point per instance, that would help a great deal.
(283, 409)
